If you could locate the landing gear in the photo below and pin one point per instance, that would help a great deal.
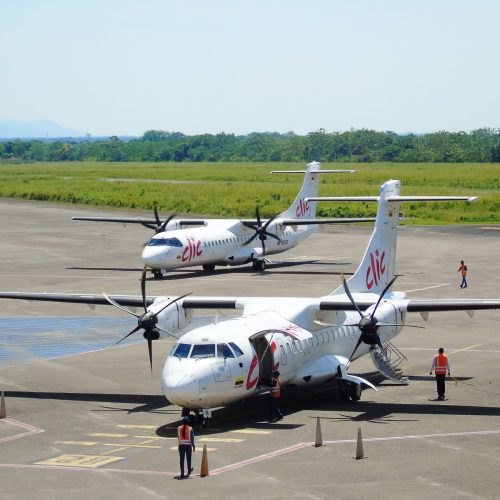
(259, 265)
(157, 274)
(201, 418)
(208, 267)
(350, 391)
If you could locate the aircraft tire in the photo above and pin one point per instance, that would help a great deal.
(208, 267)
(355, 392)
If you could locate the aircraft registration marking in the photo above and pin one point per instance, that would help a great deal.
(251, 431)
(90, 461)
(221, 440)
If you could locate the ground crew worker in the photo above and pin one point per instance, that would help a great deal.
(185, 435)
(276, 413)
(440, 365)
(463, 269)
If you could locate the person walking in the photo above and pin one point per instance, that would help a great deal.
(463, 269)
(185, 435)
(440, 365)
(276, 413)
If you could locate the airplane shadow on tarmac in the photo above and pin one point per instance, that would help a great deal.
(278, 268)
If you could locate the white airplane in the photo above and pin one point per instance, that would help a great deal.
(310, 340)
(232, 242)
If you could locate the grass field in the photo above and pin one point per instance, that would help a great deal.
(234, 189)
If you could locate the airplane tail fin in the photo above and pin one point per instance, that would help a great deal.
(377, 267)
(300, 208)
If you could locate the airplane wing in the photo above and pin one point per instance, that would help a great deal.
(124, 300)
(148, 221)
(449, 305)
(340, 220)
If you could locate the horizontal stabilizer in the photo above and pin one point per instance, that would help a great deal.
(340, 220)
(393, 198)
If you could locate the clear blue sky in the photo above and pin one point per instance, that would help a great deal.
(194, 66)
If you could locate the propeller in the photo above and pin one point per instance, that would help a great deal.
(368, 324)
(148, 321)
(158, 226)
(260, 230)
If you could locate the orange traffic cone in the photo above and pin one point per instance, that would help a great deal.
(204, 462)
(319, 437)
(3, 409)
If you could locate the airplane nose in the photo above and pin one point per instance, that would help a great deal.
(180, 388)
(152, 256)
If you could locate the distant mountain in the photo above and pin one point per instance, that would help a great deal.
(13, 129)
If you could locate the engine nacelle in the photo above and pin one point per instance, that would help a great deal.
(174, 317)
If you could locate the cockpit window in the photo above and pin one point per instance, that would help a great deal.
(170, 242)
(223, 351)
(236, 349)
(181, 350)
(203, 351)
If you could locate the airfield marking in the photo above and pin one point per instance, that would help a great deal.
(89, 462)
(221, 440)
(105, 434)
(29, 428)
(426, 288)
(251, 431)
(208, 449)
(79, 460)
(131, 426)
(465, 349)
(79, 443)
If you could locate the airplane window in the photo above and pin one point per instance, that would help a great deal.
(171, 242)
(203, 351)
(181, 350)
(223, 351)
(236, 349)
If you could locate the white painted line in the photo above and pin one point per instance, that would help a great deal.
(29, 428)
(427, 288)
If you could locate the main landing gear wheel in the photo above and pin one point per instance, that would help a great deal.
(350, 391)
(259, 265)
(208, 267)
(157, 274)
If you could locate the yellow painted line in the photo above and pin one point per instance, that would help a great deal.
(150, 437)
(208, 449)
(106, 435)
(81, 443)
(466, 348)
(221, 440)
(90, 461)
(251, 431)
(124, 446)
(125, 426)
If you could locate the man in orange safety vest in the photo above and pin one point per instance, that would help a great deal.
(441, 366)
(185, 435)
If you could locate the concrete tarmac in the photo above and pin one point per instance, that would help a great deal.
(96, 424)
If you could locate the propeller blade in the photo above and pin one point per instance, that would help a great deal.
(163, 225)
(114, 303)
(259, 223)
(251, 239)
(266, 225)
(172, 302)
(360, 339)
(138, 327)
(150, 352)
(397, 324)
(157, 217)
(348, 292)
(382, 295)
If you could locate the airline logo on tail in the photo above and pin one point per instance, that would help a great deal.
(376, 269)
(302, 208)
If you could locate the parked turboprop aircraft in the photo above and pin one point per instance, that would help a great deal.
(310, 340)
(232, 242)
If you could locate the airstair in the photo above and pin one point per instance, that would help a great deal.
(387, 361)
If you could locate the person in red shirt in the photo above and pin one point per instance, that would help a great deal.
(440, 365)
(463, 269)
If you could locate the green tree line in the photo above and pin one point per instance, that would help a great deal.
(481, 145)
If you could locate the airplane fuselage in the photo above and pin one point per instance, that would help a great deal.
(221, 242)
(219, 364)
